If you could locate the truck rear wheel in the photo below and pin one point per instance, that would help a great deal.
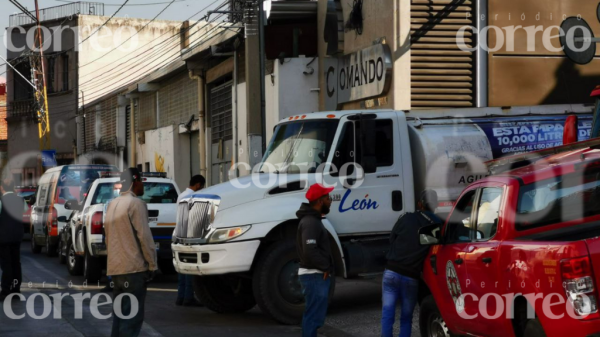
(534, 329)
(277, 288)
(92, 268)
(225, 293)
(431, 322)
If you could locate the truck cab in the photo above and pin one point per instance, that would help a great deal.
(238, 238)
(525, 239)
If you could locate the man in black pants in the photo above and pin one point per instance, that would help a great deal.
(11, 235)
(316, 262)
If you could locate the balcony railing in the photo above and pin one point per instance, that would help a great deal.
(59, 12)
(20, 109)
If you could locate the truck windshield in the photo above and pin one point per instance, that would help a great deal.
(299, 146)
(560, 199)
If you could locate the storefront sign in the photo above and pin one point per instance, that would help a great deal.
(361, 75)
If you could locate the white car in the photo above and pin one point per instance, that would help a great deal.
(85, 248)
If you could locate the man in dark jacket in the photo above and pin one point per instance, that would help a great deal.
(405, 264)
(11, 235)
(312, 244)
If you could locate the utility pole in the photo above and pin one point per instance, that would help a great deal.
(261, 41)
(41, 95)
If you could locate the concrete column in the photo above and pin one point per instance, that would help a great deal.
(253, 98)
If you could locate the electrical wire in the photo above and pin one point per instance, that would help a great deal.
(106, 22)
(146, 25)
(164, 41)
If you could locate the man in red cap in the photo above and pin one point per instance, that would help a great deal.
(316, 262)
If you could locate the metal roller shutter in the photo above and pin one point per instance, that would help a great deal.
(442, 75)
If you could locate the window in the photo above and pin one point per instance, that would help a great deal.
(458, 228)
(299, 146)
(23, 90)
(159, 193)
(563, 198)
(50, 81)
(42, 195)
(488, 212)
(105, 193)
(65, 72)
(348, 148)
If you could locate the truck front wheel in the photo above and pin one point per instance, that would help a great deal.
(431, 322)
(225, 294)
(277, 289)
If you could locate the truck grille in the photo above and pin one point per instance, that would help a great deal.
(199, 219)
(181, 227)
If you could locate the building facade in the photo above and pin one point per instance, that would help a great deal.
(85, 59)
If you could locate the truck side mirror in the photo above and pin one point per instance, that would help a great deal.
(61, 219)
(31, 200)
(430, 235)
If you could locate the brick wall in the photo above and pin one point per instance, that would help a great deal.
(178, 100)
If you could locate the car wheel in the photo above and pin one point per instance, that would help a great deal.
(225, 293)
(431, 322)
(534, 328)
(74, 261)
(50, 249)
(62, 254)
(92, 268)
(35, 249)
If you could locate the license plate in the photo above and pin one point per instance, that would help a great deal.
(152, 219)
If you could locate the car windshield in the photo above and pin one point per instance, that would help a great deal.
(299, 146)
(154, 193)
(74, 183)
(560, 199)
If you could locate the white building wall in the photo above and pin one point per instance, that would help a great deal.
(287, 93)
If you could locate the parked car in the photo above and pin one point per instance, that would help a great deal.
(530, 232)
(28, 194)
(57, 186)
(85, 249)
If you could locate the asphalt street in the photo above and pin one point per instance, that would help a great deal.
(355, 310)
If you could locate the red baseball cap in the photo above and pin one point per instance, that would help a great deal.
(316, 191)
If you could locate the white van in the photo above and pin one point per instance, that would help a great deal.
(57, 186)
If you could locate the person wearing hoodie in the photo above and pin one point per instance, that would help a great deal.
(316, 262)
(404, 265)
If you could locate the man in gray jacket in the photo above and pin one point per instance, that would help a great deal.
(316, 262)
(131, 253)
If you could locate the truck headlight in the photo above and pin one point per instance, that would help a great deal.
(226, 234)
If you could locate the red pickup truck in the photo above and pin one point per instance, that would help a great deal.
(519, 254)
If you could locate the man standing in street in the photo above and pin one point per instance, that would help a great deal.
(131, 253)
(405, 264)
(185, 288)
(316, 262)
(11, 235)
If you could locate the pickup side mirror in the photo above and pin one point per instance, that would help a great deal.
(72, 205)
(62, 218)
(430, 235)
(31, 200)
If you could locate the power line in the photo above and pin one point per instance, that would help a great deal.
(104, 24)
(146, 25)
(153, 48)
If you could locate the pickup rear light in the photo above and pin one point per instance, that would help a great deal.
(53, 222)
(578, 282)
(97, 223)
